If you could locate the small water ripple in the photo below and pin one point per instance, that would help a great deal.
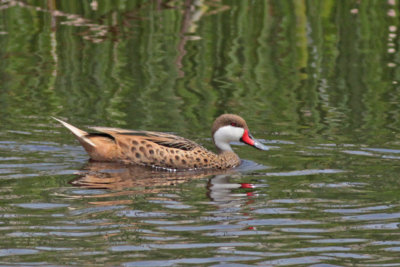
(43, 206)
(95, 210)
(378, 226)
(189, 261)
(142, 214)
(238, 233)
(373, 217)
(182, 228)
(323, 249)
(278, 221)
(302, 172)
(179, 246)
(348, 255)
(296, 260)
(17, 251)
(339, 240)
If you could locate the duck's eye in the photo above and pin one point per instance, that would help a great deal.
(233, 124)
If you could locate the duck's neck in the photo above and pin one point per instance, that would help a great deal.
(224, 147)
(226, 134)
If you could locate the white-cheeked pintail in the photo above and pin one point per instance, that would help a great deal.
(167, 151)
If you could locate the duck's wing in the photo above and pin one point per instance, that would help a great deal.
(162, 139)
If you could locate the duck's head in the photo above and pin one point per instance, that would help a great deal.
(230, 128)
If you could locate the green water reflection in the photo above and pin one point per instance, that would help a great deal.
(314, 67)
(321, 77)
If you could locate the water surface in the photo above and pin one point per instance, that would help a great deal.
(317, 82)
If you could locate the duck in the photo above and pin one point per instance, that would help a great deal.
(167, 151)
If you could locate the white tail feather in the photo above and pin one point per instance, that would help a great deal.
(77, 132)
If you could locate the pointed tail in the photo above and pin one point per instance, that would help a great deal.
(81, 135)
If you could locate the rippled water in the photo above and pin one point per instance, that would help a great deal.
(65, 210)
(316, 81)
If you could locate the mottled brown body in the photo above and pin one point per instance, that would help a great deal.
(157, 150)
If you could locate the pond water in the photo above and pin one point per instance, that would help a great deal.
(317, 82)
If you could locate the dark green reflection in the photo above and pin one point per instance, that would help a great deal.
(314, 68)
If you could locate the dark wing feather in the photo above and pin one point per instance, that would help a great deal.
(163, 139)
(167, 140)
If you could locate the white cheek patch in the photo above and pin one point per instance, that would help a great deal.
(224, 135)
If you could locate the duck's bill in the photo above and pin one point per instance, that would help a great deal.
(260, 146)
(247, 138)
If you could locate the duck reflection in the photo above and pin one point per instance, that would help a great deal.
(104, 175)
(114, 176)
(220, 188)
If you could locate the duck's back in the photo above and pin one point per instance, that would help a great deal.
(160, 150)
